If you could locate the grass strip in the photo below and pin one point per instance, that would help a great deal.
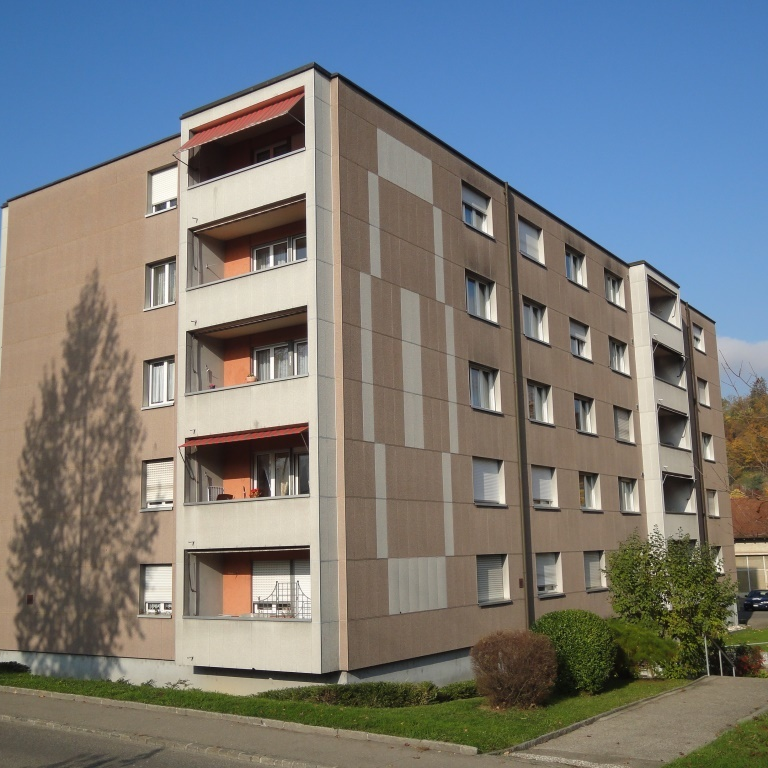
(468, 721)
(749, 636)
(745, 746)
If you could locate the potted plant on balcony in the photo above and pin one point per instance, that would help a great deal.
(250, 378)
(254, 493)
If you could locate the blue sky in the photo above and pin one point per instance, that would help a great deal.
(644, 125)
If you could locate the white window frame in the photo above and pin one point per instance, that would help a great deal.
(713, 503)
(293, 251)
(707, 447)
(697, 333)
(584, 413)
(268, 460)
(168, 291)
(594, 570)
(483, 388)
(617, 412)
(589, 490)
(531, 241)
(543, 479)
(614, 289)
(481, 298)
(628, 495)
(157, 484)
(476, 209)
(159, 382)
(162, 189)
(617, 356)
(580, 344)
(719, 562)
(549, 574)
(576, 267)
(492, 579)
(156, 590)
(703, 388)
(487, 481)
(539, 409)
(293, 350)
(535, 321)
(270, 148)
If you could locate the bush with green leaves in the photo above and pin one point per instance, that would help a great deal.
(464, 689)
(584, 646)
(677, 586)
(640, 650)
(13, 668)
(514, 668)
(377, 694)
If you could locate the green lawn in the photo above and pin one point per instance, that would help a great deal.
(463, 722)
(745, 746)
(749, 636)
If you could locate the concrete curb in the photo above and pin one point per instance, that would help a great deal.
(588, 721)
(318, 730)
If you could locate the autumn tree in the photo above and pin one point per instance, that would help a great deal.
(746, 434)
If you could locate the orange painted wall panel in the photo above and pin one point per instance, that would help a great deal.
(236, 598)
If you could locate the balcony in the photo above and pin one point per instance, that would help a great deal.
(669, 366)
(663, 303)
(673, 429)
(679, 498)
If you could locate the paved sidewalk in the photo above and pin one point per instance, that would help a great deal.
(645, 734)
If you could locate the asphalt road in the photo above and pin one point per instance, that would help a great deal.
(754, 619)
(30, 746)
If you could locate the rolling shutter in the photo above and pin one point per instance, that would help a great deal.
(266, 574)
(158, 583)
(593, 578)
(546, 572)
(158, 482)
(542, 486)
(490, 578)
(485, 480)
(622, 423)
(163, 186)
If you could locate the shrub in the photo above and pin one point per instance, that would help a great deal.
(514, 668)
(12, 668)
(378, 694)
(584, 646)
(465, 689)
(640, 651)
(749, 660)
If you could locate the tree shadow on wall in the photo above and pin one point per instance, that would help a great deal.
(79, 539)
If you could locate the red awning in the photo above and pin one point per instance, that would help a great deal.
(240, 121)
(253, 434)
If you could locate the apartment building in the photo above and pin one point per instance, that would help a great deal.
(305, 394)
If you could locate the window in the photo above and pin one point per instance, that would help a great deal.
(622, 424)
(719, 563)
(703, 392)
(589, 491)
(580, 340)
(487, 481)
(713, 506)
(534, 321)
(575, 267)
(163, 186)
(548, 576)
(157, 484)
(492, 579)
(281, 473)
(707, 446)
(627, 497)
(262, 154)
(617, 353)
(594, 565)
(698, 337)
(543, 486)
(614, 289)
(279, 253)
(530, 241)
(160, 288)
(156, 589)
(280, 361)
(476, 209)
(282, 588)
(480, 298)
(538, 402)
(159, 382)
(482, 388)
(582, 408)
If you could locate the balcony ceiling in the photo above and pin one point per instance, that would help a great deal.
(287, 212)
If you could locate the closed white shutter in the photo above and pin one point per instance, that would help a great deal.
(490, 578)
(475, 199)
(623, 424)
(157, 583)
(546, 572)
(593, 577)
(485, 480)
(158, 482)
(529, 240)
(542, 486)
(302, 577)
(163, 186)
(267, 573)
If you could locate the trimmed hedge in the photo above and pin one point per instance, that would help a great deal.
(584, 646)
(515, 668)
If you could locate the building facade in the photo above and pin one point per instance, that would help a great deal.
(306, 394)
